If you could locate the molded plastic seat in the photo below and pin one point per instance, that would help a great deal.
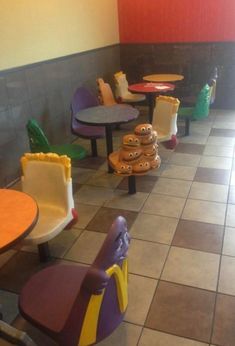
(78, 305)
(47, 178)
(106, 94)
(122, 91)
(199, 111)
(165, 117)
(83, 99)
(38, 142)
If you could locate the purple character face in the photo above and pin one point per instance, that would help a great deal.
(121, 243)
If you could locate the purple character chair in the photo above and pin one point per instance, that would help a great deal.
(79, 306)
(83, 99)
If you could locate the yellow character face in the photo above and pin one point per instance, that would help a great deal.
(143, 129)
(141, 167)
(123, 168)
(130, 155)
(131, 140)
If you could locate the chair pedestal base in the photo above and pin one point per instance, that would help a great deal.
(131, 185)
(44, 252)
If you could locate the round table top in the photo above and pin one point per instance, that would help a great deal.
(18, 215)
(151, 87)
(164, 77)
(107, 115)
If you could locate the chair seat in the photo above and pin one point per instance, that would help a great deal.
(91, 132)
(133, 97)
(51, 221)
(188, 100)
(74, 151)
(47, 298)
(185, 112)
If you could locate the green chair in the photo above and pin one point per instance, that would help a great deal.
(39, 143)
(199, 111)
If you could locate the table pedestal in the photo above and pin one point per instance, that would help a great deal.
(131, 184)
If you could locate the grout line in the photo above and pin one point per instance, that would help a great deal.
(221, 256)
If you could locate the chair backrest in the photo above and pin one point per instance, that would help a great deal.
(106, 94)
(37, 139)
(165, 116)
(121, 84)
(201, 108)
(103, 295)
(47, 177)
(83, 99)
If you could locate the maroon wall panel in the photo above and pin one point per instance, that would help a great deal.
(151, 21)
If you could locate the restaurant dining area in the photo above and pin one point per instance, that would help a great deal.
(117, 173)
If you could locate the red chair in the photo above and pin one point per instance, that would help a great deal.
(81, 305)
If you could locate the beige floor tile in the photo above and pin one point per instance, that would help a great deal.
(227, 275)
(86, 247)
(93, 195)
(9, 306)
(215, 162)
(230, 217)
(230, 125)
(164, 205)
(151, 337)
(209, 192)
(157, 172)
(193, 268)
(232, 182)
(223, 141)
(154, 228)
(81, 175)
(181, 159)
(147, 258)
(204, 211)
(229, 241)
(122, 200)
(85, 214)
(63, 242)
(126, 334)
(194, 139)
(172, 187)
(4, 257)
(140, 295)
(180, 172)
(217, 150)
(105, 179)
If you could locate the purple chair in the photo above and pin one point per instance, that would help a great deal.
(84, 99)
(78, 305)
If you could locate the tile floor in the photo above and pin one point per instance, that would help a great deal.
(182, 253)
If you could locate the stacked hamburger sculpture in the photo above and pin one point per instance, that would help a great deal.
(138, 154)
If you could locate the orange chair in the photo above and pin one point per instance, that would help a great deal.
(105, 93)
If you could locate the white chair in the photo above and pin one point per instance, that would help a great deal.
(47, 178)
(122, 91)
(165, 117)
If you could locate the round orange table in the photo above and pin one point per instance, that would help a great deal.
(165, 77)
(18, 216)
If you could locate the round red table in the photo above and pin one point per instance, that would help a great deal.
(150, 90)
(18, 216)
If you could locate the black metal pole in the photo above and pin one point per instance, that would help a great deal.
(131, 184)
(109, 144)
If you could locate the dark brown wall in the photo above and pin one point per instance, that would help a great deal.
(194, 60)
(44, 91)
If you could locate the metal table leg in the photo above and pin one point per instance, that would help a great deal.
(109, 144)
(131, 184)
(150, 97)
